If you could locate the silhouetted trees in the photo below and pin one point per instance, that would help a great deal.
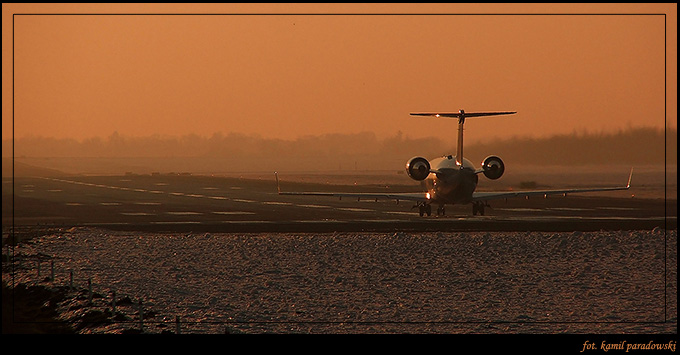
(347, 151)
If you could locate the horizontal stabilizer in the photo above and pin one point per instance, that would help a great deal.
(463, 114)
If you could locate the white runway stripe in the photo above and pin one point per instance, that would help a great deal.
(233, 212)
(356, 209)
(403, 213)
(248, 222)
(174, 222)
(618, 208)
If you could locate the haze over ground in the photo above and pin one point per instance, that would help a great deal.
(282, 71)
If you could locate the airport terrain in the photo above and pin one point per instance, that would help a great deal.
(228, 254)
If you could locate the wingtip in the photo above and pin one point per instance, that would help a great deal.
(278, 187)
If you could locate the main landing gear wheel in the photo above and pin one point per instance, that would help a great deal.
(477, 207)
(424, 209)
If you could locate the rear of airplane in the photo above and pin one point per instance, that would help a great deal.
(462, 115)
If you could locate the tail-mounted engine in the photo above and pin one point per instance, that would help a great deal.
(418, 168)
(493, 167)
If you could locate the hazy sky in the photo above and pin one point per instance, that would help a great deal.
(335, 69)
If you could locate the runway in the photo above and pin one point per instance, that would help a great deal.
(184, 203)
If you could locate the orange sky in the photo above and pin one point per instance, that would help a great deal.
(285, 76)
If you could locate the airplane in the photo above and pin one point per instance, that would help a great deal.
(451, 180)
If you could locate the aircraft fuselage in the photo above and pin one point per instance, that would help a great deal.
(449, 183)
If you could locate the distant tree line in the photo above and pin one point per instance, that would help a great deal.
(630, 146)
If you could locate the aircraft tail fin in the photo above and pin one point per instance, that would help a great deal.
(462, 115)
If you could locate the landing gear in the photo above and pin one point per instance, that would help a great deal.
(424, 209)
(478, 207)
(441, 210)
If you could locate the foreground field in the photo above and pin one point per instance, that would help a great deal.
(478, 282)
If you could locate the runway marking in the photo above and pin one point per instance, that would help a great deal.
(107, 223)
(314, 206)
(147, 203)
(55, 190)
(110, 203)
(236, 188)
(568, 209)
(73, 204)
(356, 209)
(401, 213)
(521, 209)
(157, 191)
(277, 203)
(542, 217)
(174, 222)
(188, 213)
(247, 222)
(137, 214)
(618, 208)
(233, 212)
(324, 221)
(629, 218)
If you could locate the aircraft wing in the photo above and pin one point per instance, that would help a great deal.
(485, 196)
(406, 196)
